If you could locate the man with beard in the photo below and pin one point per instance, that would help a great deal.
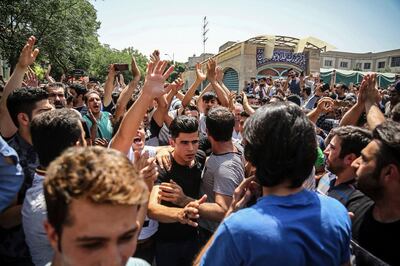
(344, 147)
(378, 176)
(56, 93)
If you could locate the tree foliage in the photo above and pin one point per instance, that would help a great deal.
(65, 31)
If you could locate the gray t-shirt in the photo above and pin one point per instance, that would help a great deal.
(222, 174)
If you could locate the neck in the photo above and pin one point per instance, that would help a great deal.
(345, 176)
(387, 210)
(281, 190)
(97, 115)
(219, 147)
(25, 134)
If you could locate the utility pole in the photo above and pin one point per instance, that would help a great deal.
(205, 30)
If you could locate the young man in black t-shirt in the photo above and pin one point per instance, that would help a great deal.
(176, 242)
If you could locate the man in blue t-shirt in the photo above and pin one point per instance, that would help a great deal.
(288, 225)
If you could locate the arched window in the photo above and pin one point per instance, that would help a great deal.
(231, 79)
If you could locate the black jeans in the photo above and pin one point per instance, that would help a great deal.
(179, 253)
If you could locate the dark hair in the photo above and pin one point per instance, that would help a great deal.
(395, 113)
(325, 87)
(79, 89)
(55, 85)
(353, 139)
(53, 132)
(294, 98)
(388, 137)
(86, 98)
(24, 100)
(208, 96)
(307, 90)
(281, 144)
(220, 122)
(190, 107)
(244, 114)
(183, 124)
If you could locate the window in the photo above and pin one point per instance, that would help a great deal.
(367, 65)
(328, 63)
(395, 62)
(381, 64)
(358, 65)
(344, 64)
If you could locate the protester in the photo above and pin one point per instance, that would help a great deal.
(288, 225)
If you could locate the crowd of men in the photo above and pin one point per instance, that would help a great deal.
(290, 171)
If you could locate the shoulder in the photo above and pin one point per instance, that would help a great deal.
(136, 262)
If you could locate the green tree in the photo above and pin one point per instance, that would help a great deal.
(66, 30)
(178, 70)
(103, 55)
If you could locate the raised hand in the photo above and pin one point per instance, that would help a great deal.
(28, 55)
(135, 69)
(155, 78)
(211, 73)
(326, 104)
(155, 56)
(31, 79)
(111, 71)
(176, 85)
(219, 74)
(200, 76)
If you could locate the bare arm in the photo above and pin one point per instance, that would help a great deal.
(353, 114)
(26, 58)
(211, 76)
(153, 87)
(324, 105)
(216, 211)
(109, 85)
(374, 115)
(163, 213)
(200, 77)
(246, 106)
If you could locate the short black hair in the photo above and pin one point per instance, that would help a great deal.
(294, 98)
(280, 141)
(53, 132)
(23, 100)
(79, 89)
(353, 139)
(307, 90)
(190, 107)
(209, 96)
(55, 85)
(183, 124)
(388, 138)
(220, 123)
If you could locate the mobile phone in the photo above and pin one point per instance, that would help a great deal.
(121, 67)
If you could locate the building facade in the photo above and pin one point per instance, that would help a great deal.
(388, 61)
(273, 55)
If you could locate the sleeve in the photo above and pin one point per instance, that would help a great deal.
(11, 176)
(154, 128)
(222, 250)
(227, 178)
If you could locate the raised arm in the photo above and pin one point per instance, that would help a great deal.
(109, 85)
(153, 87)
(26, 58)
(324, 105)
(200, 77)
(127, 92)
(246, 106)
(374, 115)
(49, 78)
(211, 76)
(353, 114)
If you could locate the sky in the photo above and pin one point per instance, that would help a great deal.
(175, 26)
